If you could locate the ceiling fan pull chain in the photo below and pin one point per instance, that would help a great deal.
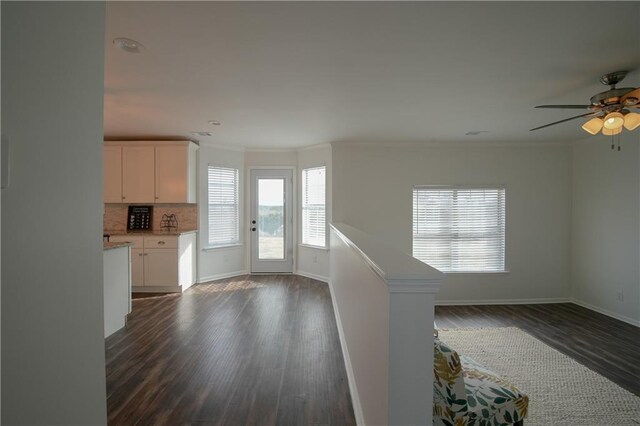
(613, 143)
(618, 141)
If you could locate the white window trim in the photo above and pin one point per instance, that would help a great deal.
(239, 242)
(324, 247)
(506, 269)
(320, 248)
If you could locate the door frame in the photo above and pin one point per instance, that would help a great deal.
(294, 215)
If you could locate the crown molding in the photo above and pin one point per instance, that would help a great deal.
(314, 147)
(223, 147)
(451, 144)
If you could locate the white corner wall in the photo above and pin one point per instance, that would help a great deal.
(221, 262)
(53, 360)
(373, 191)
(606, 227)
(314, 262)
(231, 261)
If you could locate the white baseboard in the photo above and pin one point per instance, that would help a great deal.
(502, 301)
(353, 389)
(157, 289)
(221, 276)
(313, 276)
(606, 312)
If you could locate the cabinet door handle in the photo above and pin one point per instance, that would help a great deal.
(161, 243)
(139, 254)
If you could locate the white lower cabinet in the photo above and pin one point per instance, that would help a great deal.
(161, 267)
(137, 267)
(161, 263)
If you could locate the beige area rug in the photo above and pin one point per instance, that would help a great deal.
(561, 391)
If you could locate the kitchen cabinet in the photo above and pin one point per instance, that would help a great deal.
(137, 267)
(150, 172)
(161, 267)
(138, 169)
(161, 263)
(117, 287)
(175, 177)
(112, 174)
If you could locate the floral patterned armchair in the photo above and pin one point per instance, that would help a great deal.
(467, 394)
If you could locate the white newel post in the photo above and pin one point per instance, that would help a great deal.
(384, 305)
(410, 354)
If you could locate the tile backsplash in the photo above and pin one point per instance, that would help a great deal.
(115, 216)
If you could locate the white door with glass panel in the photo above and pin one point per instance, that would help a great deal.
(271, 221)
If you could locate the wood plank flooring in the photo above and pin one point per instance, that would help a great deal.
(247, 350)
(265, 350)
(601, 343)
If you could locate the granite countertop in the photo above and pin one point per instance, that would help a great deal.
(150, 233)
(113, 245)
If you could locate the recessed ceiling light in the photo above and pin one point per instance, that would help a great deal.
(201, 133)
(214, 122)
(128, 45)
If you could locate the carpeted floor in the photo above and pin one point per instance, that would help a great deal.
(561, 391)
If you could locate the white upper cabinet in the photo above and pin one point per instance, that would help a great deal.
(174, 170)
(138, 168)
(150, 172)
(112, 174)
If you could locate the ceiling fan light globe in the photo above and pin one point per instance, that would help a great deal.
(593, 126)
(613, 120)
(611, 132)
(631, 121)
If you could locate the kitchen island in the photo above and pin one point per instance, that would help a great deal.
(117, 285)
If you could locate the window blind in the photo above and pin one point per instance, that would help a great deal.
(314, 206)
(223, 216)
(458, 229)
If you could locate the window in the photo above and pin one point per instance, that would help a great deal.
(314, 207)
(224, 216)
(459, 229)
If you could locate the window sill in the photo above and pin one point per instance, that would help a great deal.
(222, 247)
(325, 249)
(505, 272)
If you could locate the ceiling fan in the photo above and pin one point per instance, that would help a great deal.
(610, 110)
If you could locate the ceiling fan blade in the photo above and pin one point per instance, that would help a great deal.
(566, 119)
(565, 106)
(633, 97)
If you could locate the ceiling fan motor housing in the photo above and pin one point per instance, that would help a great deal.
(610, 97)
(613, 78)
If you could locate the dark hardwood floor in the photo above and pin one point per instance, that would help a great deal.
(247, 350)
(601, 343)
(265, 350)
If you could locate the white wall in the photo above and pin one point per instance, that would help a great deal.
(52, 296)
(1, 170)
(230, 261)
(372, 190)
(226, 261)
(314, 262)
(605, 238)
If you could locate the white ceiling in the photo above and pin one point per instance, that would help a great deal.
(295, 74)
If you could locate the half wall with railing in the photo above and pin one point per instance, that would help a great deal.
(384, 305)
